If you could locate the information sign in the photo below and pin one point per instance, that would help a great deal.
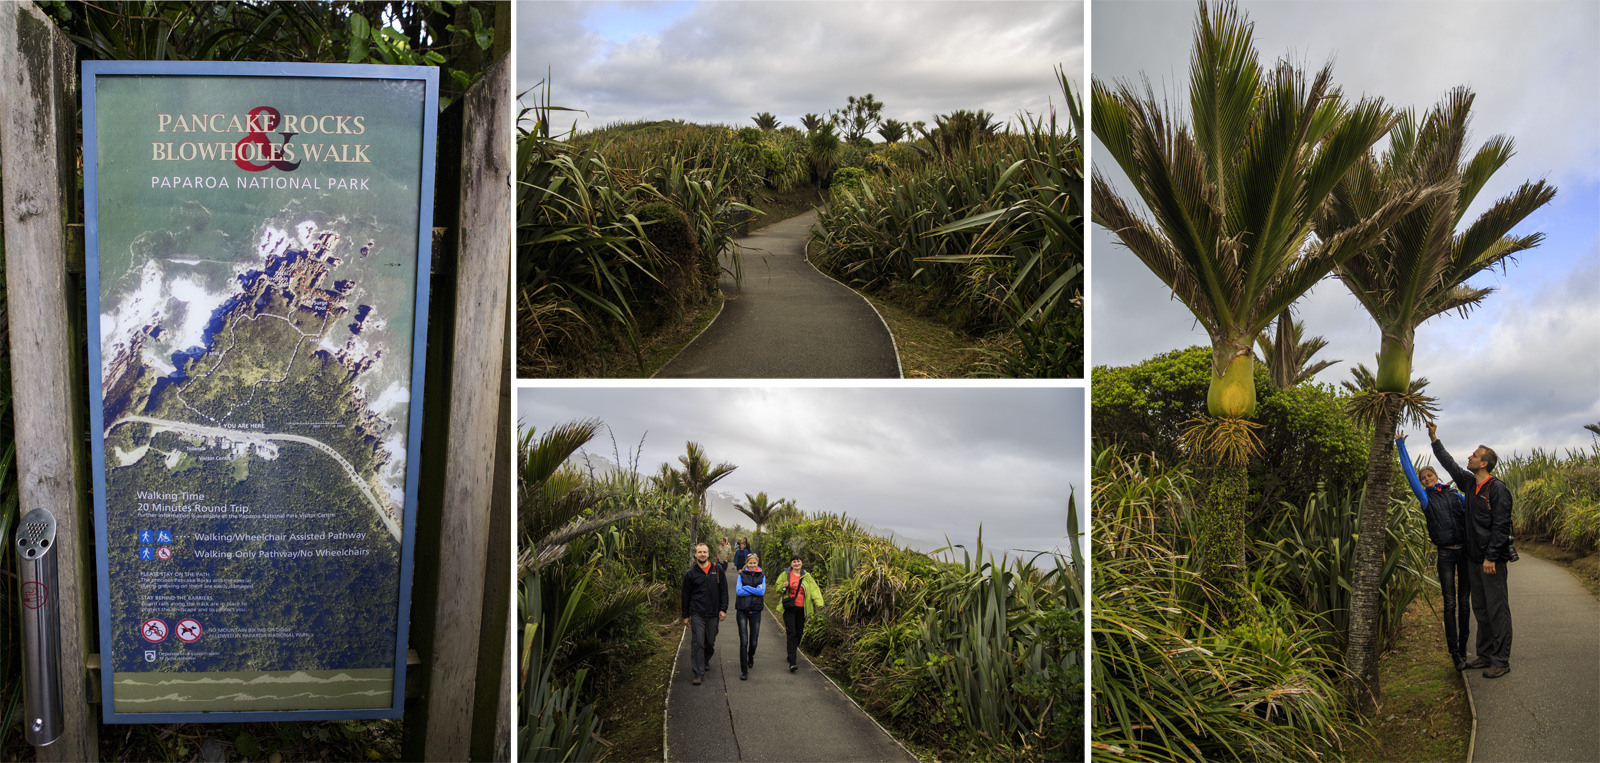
(257, 242)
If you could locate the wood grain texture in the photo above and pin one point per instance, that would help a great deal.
(37, 115)
(478, 363)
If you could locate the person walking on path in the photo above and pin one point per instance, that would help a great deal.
(704, 604)
(743, 550)
(800, 594)
(748, 609)
(1489, 550)
(1445, 512)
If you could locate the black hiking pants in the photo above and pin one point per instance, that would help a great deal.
(1456, 589)
(1492, 609)
(749, 621)
(794, 622)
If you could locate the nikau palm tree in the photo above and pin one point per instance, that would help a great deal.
(1417, 270)
(697, 476)
(1287, 353)
(1232, 202)
(760, 510)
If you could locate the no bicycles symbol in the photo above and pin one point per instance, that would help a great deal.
(153, 630)
(34, 595)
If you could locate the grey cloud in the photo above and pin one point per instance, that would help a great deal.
(724, 62)
(924, 462)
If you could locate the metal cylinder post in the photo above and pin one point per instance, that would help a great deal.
(41, 628)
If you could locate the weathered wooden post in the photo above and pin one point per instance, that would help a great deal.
(441, 725)
(37, 151)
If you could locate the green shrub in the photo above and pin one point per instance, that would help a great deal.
(847, 180)
(1307, 438)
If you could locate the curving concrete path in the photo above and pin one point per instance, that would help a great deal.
(1547, 708)
(787, 320)
(774, 716)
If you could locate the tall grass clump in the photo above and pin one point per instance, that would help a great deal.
(1168, 684)
(621, 232)
(988, 231)
(1556, 499)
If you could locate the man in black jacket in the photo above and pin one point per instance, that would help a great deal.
(705, 603)
(1488, 509)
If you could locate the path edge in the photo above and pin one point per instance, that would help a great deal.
(805, 254)
(720, 307)
(666, 705)
(845, 694)
(1472, 739)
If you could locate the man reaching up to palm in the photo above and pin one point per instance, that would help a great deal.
(1488, 551)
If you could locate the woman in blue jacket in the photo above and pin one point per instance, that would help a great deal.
(747, 611)
(1447, 527)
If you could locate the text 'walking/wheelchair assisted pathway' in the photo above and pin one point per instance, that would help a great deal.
(774, 716)
(786, 320)
(1548, 707)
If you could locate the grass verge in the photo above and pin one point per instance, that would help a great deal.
(1424, 715)
(631, 710)
(929, 348)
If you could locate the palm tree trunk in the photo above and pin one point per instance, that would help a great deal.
(1221, 540)
(1366, 596)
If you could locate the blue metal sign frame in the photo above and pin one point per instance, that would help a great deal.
(93, 72)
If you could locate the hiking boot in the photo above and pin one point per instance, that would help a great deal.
(793, 668)
(1496, 672)
(1477, 662)
(1458, 661)
(695, 682)
(743, 676)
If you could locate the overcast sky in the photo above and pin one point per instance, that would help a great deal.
(1523, 370)
(923, 462)
(725, 62)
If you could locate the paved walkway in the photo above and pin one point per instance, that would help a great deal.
(787, 320)
(774, 716)
(1548, 707)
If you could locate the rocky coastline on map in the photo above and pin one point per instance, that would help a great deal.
(281, 342)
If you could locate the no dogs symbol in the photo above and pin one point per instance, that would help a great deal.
(188, 630)
(153, 630)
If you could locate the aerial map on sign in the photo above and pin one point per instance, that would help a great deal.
(256, 315)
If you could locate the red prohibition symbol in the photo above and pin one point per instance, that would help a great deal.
(153, 630)
(163, 553)
(34, 595)
(188, 630)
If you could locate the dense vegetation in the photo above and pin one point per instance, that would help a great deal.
(620, 233)
(980, 226)
(1159, 652)
(1556, 498)
(974, 660)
